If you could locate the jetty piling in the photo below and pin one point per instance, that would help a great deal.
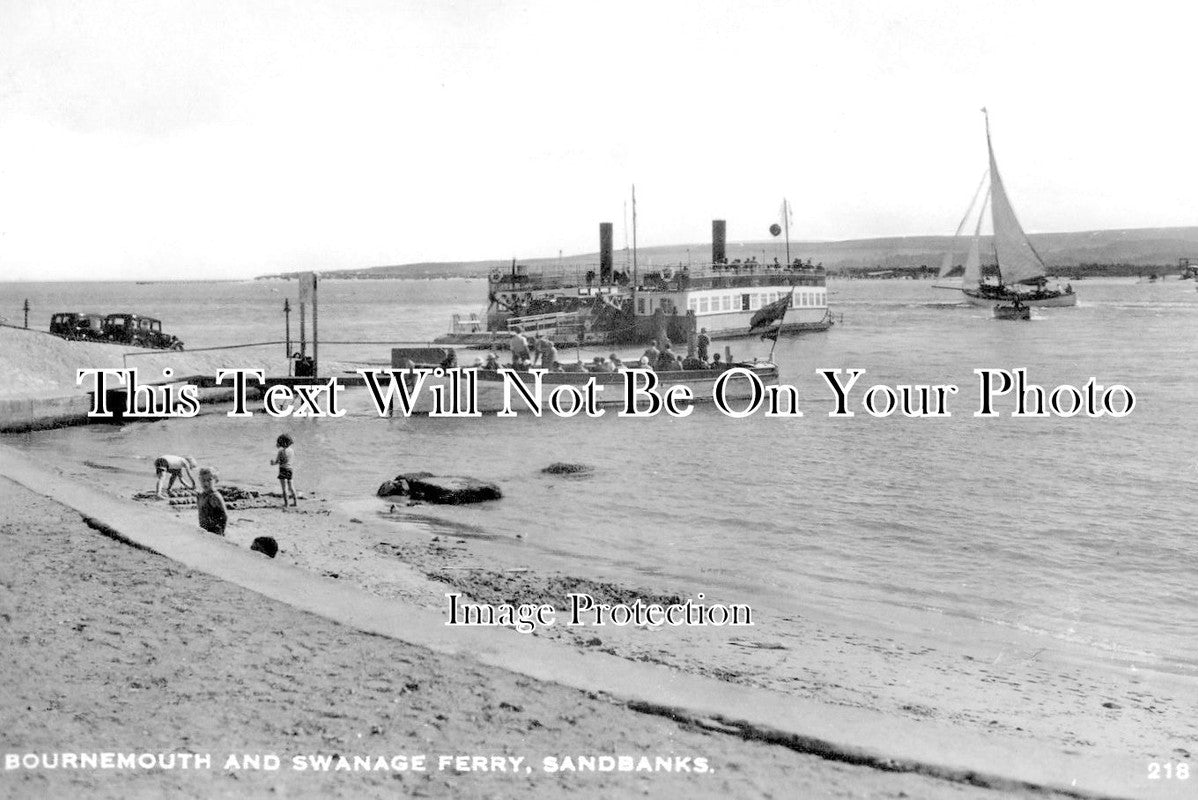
(287, 332)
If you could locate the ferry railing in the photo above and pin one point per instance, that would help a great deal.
(700, 276)
(471, 325)
(540, 323)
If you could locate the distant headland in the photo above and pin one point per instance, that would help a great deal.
(1130, 252)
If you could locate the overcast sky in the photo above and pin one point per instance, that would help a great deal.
(228, 138)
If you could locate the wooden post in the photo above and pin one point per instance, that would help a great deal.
(287, 331)
(315, 337)
(26, 312)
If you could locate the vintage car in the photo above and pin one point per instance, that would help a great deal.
(140, 331)
(72, 325)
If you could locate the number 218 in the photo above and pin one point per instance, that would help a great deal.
(1168, 771)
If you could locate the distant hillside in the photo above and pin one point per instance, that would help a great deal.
(1085, 252)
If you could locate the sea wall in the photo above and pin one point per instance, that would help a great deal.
(20, 414)
(35, 413)
(38, 387)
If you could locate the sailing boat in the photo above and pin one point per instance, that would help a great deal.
(1021, 271)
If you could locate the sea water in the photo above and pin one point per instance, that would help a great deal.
(1073, 529)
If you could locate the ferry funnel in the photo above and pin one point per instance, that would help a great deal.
(604, 252)
(718, 240)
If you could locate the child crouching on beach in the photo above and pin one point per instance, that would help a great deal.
(210, 504)
(174, 468)
(283, 459)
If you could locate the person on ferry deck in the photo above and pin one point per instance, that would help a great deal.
(548, 353)
(667, 361)
(518, 345)
(652, 353)
(702, 342)
(534, 351)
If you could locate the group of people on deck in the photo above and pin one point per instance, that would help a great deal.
(541, 352)
(660, 357)
(751, 264)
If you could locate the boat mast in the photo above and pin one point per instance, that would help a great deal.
(786, 227)
(626, 261)
(634, 270)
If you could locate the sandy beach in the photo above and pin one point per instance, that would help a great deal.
(108, 648)
(1005, 685)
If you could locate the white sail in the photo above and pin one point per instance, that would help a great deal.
(947, 265)
(973, 262)
(1018, 261)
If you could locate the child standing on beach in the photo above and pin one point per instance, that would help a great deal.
(210, 504)
(283, 459)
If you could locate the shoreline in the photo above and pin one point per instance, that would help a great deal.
(119, 650)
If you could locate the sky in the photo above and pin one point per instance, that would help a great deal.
(227, 139)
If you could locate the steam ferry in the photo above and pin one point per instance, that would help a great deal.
(601, 305)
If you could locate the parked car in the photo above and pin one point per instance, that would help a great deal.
(139, 331)
(72, 325)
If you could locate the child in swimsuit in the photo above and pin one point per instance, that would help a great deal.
(283, 459)
(210, 505)
(173, 466)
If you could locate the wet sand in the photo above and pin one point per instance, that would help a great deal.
(1008, 685)
(109, 648)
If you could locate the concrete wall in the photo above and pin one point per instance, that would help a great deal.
(36, 413)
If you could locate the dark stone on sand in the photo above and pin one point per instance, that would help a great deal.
(265, 545)
(442, 489)
(568, 470)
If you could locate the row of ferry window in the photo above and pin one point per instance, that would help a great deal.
(750, 301)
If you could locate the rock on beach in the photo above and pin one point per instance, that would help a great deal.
(568, 470)
(445, 490)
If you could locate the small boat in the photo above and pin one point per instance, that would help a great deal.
(1016, 310)
(1018, 272)
(611, 385)
(495, 389)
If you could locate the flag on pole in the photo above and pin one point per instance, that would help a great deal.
(773, 313)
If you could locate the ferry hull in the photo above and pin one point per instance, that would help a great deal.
(823, 323)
